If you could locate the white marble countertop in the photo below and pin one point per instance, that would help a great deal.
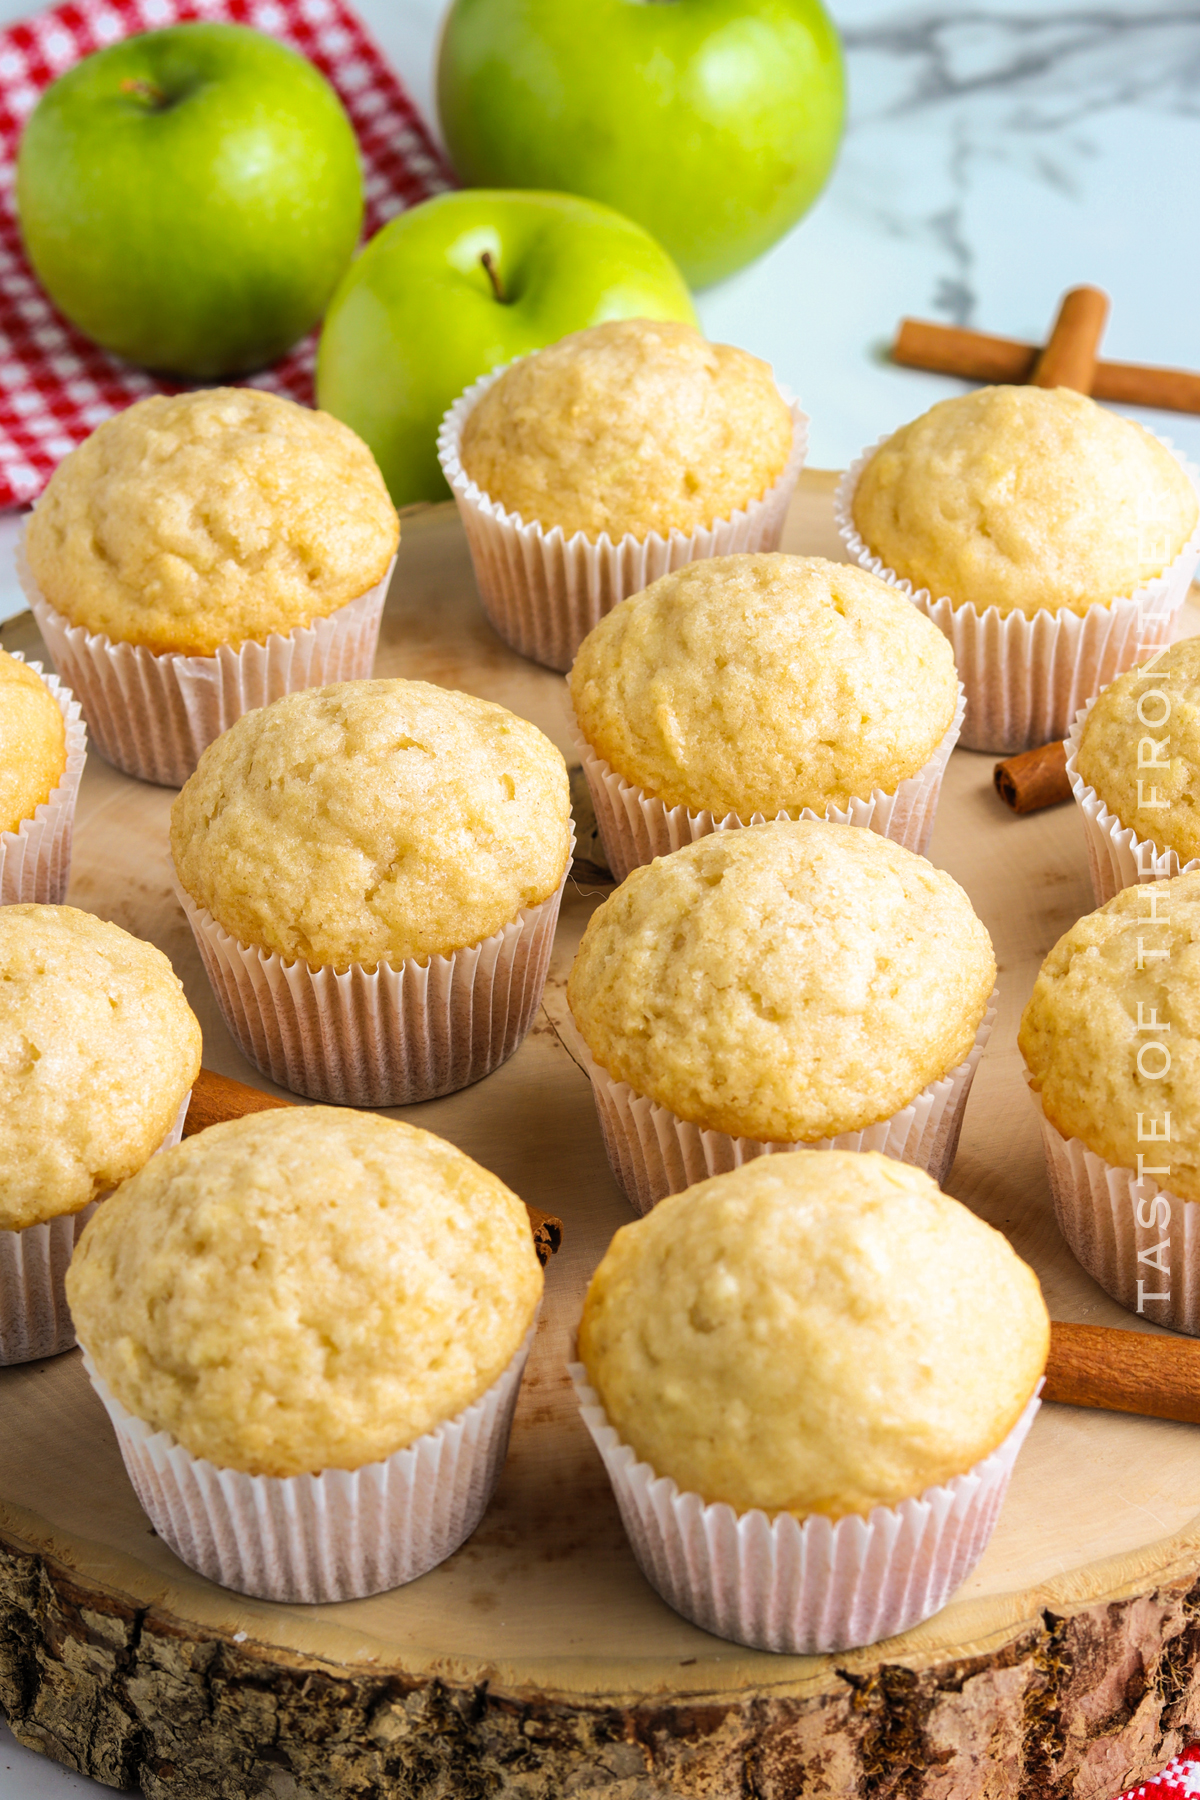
(995, 157)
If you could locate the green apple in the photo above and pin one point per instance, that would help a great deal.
(190, 198)
(713, 123)
(460, 284)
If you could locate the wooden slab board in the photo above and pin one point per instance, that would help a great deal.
(537, 1662)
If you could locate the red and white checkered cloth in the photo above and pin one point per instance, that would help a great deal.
(1180, 1780)
(56, 386)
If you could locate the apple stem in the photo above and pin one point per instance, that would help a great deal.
(143, 90)
(493, 275)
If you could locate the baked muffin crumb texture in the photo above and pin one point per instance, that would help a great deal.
(813, 1334)
(209, 518)
(630, 427)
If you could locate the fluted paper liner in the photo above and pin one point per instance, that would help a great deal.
(1117, 857)
(654, 1153)
(35, 859)
(35, 1319)
(1026, 677)
(636, 826)
(803, 1586)
(1127, 1232)
(543, 591)
(153, 716)
(337, 1535)
(387, 1036)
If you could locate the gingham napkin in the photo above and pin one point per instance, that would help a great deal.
(1180, 1780)
(55, 386)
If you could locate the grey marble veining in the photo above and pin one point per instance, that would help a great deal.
(995, 156)
(1026, 91)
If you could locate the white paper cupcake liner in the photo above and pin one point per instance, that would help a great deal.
(654, 1153)
(35, 1319)
(35, 859)
(1137, 1239)
(337, 1535)
(1027, 677)
(153, 716)
(383, 1037)
(636, 826)
(1117, 857)
(803, 1587)
(543, 591)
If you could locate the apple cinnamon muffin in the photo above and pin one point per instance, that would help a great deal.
(1159, 798)
(306, 1289)
(786, 983)
(211, 518)
(1024, 498)
(813, 1335)
(764, 684)
(371, 822)
(1111, 1033)
(33, 742)
(98, 1048)
(631, 427)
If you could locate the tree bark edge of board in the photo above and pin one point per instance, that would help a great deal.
(1090, 1700)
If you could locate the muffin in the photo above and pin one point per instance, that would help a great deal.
(373, 872)
(752, 687)
(33, 743)
(588, 469)
(1134, 762)
(793, 983)
(1045, 535)
(1111, 1037)
(808, 1340)
(227, 525)
(293, 1296)
(98, 1053)
(43, 747)
(634, 426)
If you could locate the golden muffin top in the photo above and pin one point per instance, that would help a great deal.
(1024, 498)
(33, 742)
(1092, 1033)
(765, 684)
(1159, 796)
(306, 1289)
(636, 426)
(98, 1047)
(372, 821)
(786, 983)
(813, 1333)
(210, 518)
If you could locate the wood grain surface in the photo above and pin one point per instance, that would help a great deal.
(537, 1662)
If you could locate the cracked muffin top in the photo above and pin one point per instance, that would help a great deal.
(373, 821)
(98, 1047)
(813, 1333)
(305, 1289)
(786, 983)
(631, 427)
(33, 742)
(765, 684)
(211, 518)
(1024, 498)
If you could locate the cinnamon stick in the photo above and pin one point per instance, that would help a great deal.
(1124, 1371)
(216, 1098)
(1069, 358)
(1034, 779)
(980, 356)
